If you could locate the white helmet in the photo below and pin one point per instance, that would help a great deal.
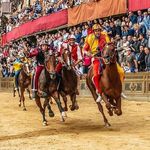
(72, 37)
(21, 54)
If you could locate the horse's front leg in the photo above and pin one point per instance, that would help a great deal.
(118, 110)
(38, 103)
(65, 100)
(50, 112)
(74, 102)
(14, 91)
(108, 105)
(56, 98)
(18, 92)
(23, 99)
(95, 96)
(28, 90)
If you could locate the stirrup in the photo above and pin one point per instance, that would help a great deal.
(34, 94)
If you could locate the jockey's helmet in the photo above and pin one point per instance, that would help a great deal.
(21, 54)
(96, 27)
(72, 37)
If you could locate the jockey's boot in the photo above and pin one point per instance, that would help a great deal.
(98, 89)
(99, 98)
(34, 94)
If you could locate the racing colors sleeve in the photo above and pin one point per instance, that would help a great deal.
(33, 53)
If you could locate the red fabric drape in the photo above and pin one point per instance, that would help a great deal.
(41, 24)
(135, 5)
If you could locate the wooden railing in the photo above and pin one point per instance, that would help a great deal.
(135, 85)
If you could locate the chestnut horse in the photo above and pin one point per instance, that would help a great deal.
(24, 81)
(110, 83)
(49, 83)
(69, 81)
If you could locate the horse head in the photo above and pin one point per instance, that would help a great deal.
(50, 64)
(66, 55)
(27, 68)
(109, 54)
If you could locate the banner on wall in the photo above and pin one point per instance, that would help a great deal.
(94, 10)
(41, 24)
(135, 5)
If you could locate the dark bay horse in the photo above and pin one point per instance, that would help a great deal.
(24, 81)
(49, 83)
(110, 83)
(69, 81)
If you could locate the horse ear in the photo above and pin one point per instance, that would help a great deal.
(111, 46)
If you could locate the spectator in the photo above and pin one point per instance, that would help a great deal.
(136, 45)
(140, 17)
(143, 41)
(147, 58)
(141, 59)
(133, 18)
(131, 61)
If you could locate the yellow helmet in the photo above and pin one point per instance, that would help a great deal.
(96, 26)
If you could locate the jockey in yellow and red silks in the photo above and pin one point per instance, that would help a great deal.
(94, 44)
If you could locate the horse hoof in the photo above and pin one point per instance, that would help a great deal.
(44, 123)
(51, 114)
(77, 107)
(110, 113)
(19, 105)
(107, 125)
(65, 109)
(24, 109)
(72, 108)
(118, 113)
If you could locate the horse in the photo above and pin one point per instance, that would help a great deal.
(69, 81)
(24, 81)
(110, 83)
(48, 82)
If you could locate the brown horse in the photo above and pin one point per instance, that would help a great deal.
(110, 83)
(69, 81)
(24, 81)
(49, 83)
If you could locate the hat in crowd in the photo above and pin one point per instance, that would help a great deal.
(96, 27)
(72, 37)
(44, 42)
(129, 49)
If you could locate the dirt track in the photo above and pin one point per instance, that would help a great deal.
(83, 129)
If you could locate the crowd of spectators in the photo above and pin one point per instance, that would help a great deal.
(130, 33)
(38, 9)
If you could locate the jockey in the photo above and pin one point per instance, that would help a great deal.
(94, 44)
(17, 66)
(75, 50)
(40, 58)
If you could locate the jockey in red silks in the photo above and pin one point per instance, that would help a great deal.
(40, 58)
(75, 50)
(94, 44)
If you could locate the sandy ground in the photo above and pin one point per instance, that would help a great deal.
(83, 129)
